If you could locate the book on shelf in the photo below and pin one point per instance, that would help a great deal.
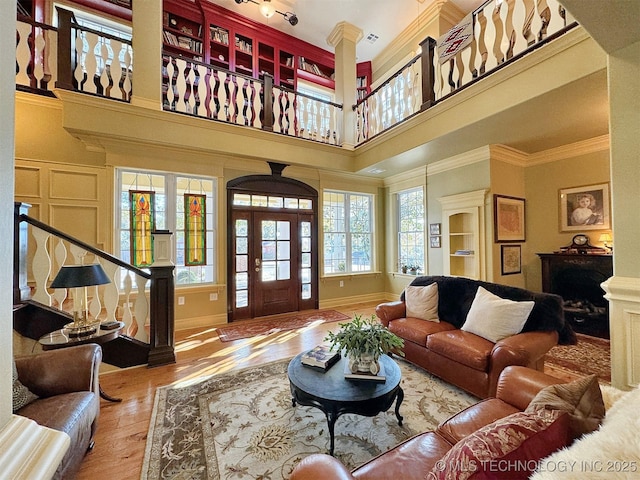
(366, 376)
(320, 357)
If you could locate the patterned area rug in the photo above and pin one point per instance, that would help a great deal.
(242, 425)
(590, 355)
(249, 328)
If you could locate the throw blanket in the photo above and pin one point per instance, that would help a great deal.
(456, 294)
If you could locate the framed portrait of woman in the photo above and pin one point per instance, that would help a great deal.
(585, 208)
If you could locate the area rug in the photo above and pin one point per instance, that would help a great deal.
(250, 328)
(242, 424)
(591, 355)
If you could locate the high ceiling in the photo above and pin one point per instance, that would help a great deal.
(385, 19)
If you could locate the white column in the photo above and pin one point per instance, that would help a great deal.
(147, 53)
(343, 39)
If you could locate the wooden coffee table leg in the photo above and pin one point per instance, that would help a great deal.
(399, 400)
(331, 422)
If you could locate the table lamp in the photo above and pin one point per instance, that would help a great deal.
(607, 241)
(76, 277)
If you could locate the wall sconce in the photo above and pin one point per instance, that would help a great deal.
(607, 241)
(76, 277)
(268, 10)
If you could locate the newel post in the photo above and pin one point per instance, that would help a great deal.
(21, 290)
(66, 45)
(162, 292)
(267, 103)
(428, 46)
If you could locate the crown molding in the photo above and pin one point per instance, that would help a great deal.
(467, 158)
(407, 179)
(584, 147)
(344, 31)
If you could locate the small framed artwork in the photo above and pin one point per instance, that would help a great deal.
(434, 241)
(434, 229)
(585, 208)
(508, 216)
(511, 260)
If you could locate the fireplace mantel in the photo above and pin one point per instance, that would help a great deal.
(577, 278)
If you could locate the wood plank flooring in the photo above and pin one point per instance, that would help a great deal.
(122, 430)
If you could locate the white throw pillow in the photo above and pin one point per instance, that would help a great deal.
(422, 302)
(495, 318)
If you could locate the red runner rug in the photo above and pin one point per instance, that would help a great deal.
(265, 326)
(591, 355)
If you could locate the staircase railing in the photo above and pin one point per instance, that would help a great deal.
(138, 298)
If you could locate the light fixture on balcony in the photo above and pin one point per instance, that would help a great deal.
(268, 10)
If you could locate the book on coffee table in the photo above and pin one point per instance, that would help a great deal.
(320, 357)
(369, 377)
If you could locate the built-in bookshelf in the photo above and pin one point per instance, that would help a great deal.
(227, 40)
(363, 80)
(182, 35)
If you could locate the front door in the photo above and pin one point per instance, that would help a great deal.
(272, 256)
(275, 247)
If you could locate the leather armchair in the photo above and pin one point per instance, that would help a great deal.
(66, 382)
(415, 457)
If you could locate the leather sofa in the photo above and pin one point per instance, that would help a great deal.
(66, 382)
(417, 456)
(465, 359)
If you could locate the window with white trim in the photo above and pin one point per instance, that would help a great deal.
(411, 228)
(169, 192)
(348, 232)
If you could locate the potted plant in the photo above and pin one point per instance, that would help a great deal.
(363, 340)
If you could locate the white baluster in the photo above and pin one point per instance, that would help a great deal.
(467, 63)
(232, 107)
(95, 307)
(93, 66)
(257, 103)
(141, 309)
(81, 55)
(223, 100)
(190, 80)
(77, 253)
(519, 18)
(125, 59)
(240, 97)
(479, 31)
(60, 255)
(536, 24)
(496, 22)
(129, 326)
(38, 48)
(23, 54)
(171, 97)
(201, 89)
(41, 266)
(50, 56)
(552, 15)
(111, 294)
(181, 86)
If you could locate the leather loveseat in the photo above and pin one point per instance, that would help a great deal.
(66, 383)
(415, 458)
(465, 359)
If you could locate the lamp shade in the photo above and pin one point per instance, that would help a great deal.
(267, 9)
(71, 276)
(605, 238)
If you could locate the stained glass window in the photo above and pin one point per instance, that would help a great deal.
(195, 229)
(142, 224)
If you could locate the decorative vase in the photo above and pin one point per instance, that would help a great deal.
(364, 363)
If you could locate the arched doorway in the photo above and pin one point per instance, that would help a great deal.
(272, 242)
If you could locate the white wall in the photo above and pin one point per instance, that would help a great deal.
(7, 99)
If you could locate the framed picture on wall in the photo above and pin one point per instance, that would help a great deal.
(508, 217)
(434, 241)
(585, 208)
(511, 260)
(434, 229)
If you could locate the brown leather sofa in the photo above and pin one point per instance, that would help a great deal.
(66, 382)
(463, 358)
(414, 458)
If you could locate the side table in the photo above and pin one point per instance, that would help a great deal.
(62, 339)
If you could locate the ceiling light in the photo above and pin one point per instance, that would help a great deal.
(268, 10)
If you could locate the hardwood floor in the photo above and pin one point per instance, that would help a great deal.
(122, 429)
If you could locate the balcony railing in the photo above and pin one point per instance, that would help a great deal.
(80, 59)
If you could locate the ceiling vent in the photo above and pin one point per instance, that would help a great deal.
(372, 37)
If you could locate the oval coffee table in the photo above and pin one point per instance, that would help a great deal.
(334, 395)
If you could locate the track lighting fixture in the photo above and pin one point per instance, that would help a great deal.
(268, 10)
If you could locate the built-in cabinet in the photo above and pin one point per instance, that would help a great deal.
(463, 226)
(224, 39)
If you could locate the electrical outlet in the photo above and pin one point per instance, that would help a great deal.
(180, 300)
(213, 297)
(342, 283)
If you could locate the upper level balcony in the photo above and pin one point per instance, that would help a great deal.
(509, 39)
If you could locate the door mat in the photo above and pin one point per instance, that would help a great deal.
(280, 323)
